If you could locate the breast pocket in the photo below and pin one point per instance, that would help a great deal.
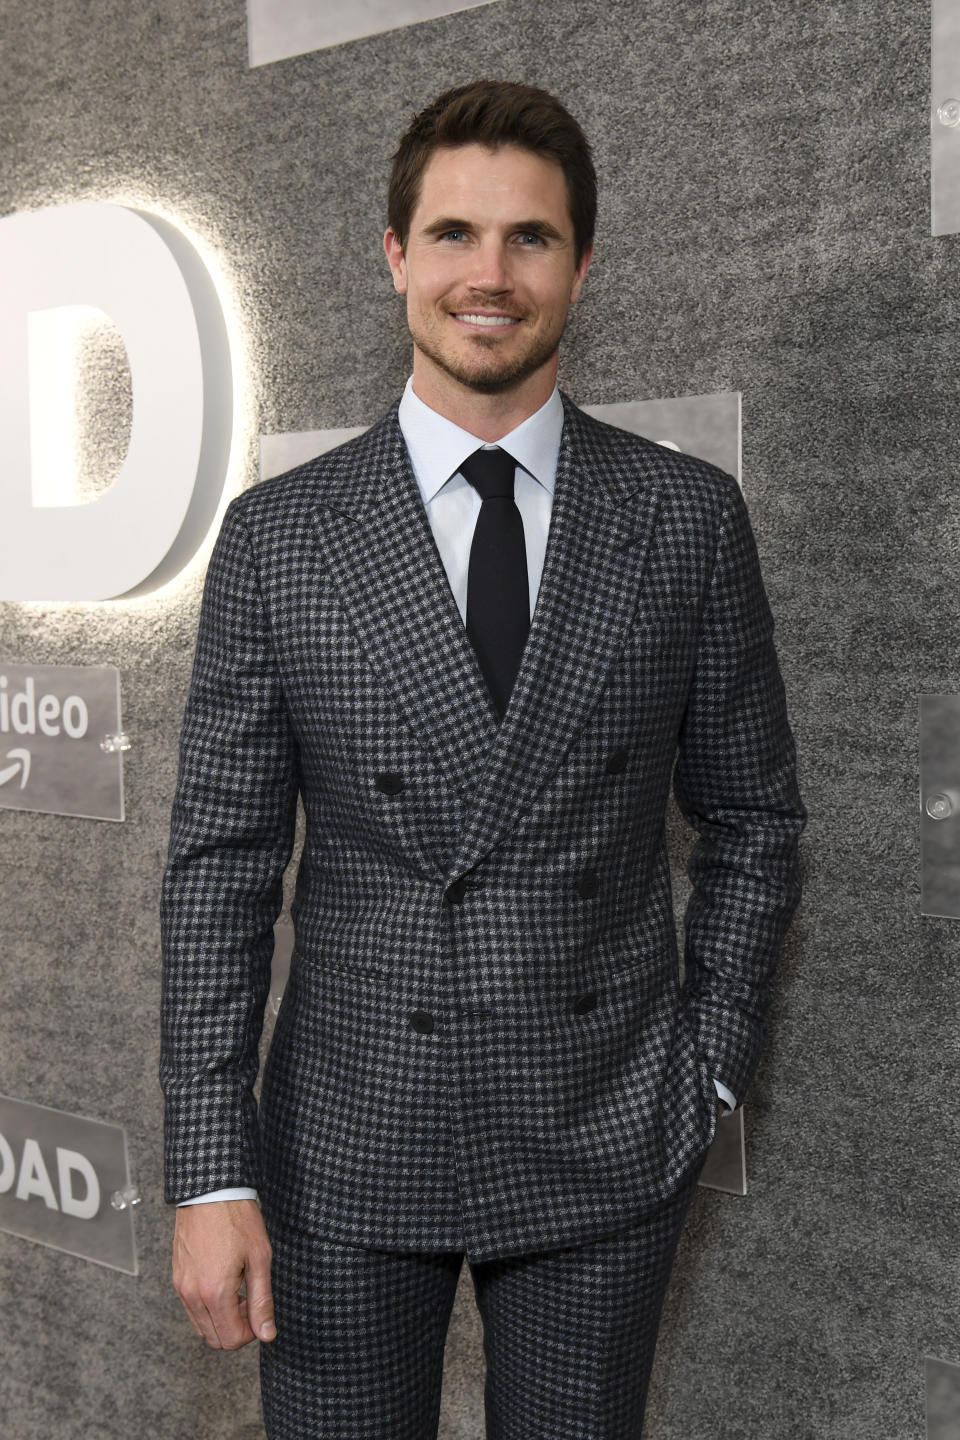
(663, 623)
(661, 646)
(647, 687)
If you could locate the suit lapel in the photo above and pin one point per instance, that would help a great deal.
(381, 554)
(588, 591)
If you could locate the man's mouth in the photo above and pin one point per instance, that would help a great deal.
(470, 317)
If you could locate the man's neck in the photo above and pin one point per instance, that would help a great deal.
(488, 416)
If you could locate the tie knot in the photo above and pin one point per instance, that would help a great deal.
(490, 472)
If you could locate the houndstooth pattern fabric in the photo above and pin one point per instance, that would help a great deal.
(569, 1336)
(483, 1045)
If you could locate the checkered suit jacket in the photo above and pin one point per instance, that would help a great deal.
(484, 1044)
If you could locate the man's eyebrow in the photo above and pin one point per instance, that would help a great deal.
(527, 227)
(540, 227)
(437, 227)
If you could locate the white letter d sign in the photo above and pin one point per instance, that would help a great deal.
(149, 280)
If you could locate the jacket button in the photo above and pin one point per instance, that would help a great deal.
(456, 891)
(421, 1022)
(617, 762)
(586, 1003)
(388, 783)
(588, 885)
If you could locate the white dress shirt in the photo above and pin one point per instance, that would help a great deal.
(437, 448)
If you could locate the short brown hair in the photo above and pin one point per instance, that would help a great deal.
(493, 113)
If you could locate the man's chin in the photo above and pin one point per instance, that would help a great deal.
(487, 384)
(496, 378)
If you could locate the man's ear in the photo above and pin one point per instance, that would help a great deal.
(583, 265)
(398, 266)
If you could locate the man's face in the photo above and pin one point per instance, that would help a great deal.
(489, 268)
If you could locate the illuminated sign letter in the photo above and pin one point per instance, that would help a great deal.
(146, 277)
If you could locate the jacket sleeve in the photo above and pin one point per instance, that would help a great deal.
(735, 783)
(231, 836)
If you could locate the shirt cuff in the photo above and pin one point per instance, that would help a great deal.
(727, 1096)
(237, 1192)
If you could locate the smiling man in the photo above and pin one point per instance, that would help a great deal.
(488, 284)
(479, 642)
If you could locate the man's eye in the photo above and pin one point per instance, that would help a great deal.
(453, 235)
(530, 237)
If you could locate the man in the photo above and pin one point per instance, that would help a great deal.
(484, 1049)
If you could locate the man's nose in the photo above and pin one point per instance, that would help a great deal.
(490, 269)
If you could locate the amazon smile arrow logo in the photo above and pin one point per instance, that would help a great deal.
(61, 741)
(21, 762)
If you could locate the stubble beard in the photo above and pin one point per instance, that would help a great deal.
(497, 376)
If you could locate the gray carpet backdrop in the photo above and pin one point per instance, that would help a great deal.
(764, 228)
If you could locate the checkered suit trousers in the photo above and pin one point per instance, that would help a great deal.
(569, 1336)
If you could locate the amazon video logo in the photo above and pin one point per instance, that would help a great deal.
(61, 743)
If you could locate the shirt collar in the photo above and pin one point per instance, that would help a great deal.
(437, 447)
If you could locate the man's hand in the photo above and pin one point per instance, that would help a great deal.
(217, 1247)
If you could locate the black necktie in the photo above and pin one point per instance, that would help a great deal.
(498, 594)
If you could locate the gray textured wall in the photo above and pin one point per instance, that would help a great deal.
(764, 228)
